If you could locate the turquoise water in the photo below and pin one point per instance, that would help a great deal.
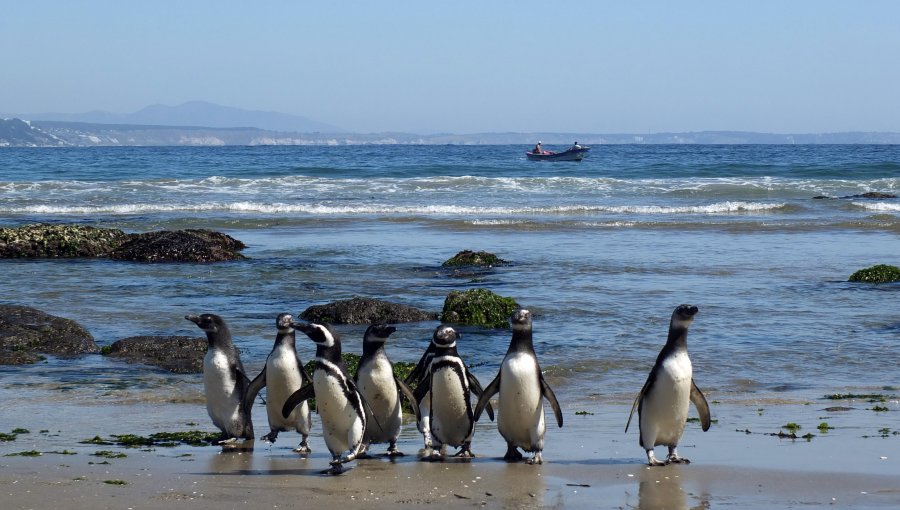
(601, 251)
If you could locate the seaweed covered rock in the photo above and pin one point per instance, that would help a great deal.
(364, 311)
(180, 246)
(478, 307)
(474, 258)
(177, 354)
(59, 241)
(881, 273)
(26, 333)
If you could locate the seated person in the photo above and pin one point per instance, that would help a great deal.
(538, 149)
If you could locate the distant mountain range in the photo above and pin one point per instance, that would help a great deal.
(192, 113)
(200, 123)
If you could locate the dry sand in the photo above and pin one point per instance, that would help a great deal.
(590, 463)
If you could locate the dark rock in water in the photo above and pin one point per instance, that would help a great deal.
(473, 258)
(871, 195)
(180, 246)
(364, 311)
(59, 241)
(77, 241)
(478, 307)
(880, 273)
(26, 332)
(178, 354)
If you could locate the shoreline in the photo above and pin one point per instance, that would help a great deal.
(590, 463)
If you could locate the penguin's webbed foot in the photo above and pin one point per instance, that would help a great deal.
(303, 447)
(270, 437)
(512, 453)
(674, 458)
(465, 452)
(225, 441)
(393, 451)
(537, 458)
(652, 460)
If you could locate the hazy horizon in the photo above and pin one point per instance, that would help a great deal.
(467, 67)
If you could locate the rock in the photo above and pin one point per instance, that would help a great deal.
(881, 273)
(177, 354)
(59, 241)
(473, 258)
(364, 311)
(870, 195)
(180, 246)
(26, 332)
(478, 307)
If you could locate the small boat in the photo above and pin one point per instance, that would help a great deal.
(566, 155)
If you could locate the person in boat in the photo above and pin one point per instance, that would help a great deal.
(538, 149)
(575, 146)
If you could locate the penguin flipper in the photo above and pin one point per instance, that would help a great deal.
(418, 373)
(633, 407)
(304, 375)
(407, 393)
(551, 397)
(257, 384)
(701, 404)
(479, 391)
(304, 393)
(486, 395)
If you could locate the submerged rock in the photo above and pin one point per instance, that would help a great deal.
(478, 307)
(180, 246)
(78, 241)
(364, 311)
(474, 258)
(870, 195)
(59, 241)
(177, 354)
(881, 273)
(26, 333)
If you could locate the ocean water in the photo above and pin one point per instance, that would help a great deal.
(601, 251)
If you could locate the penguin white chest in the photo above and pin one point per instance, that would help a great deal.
(665, 409)
(521, 416)
(377, 385)
(341, 421)
(282, 380)
(220, 387)
(451, 415)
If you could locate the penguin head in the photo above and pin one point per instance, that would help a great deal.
(378, 333)
(284, 322)
(208, 322)
(320, 334)
(520, 319)
(683, 315)
(445, 336)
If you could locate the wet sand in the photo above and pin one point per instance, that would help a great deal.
(590, 463)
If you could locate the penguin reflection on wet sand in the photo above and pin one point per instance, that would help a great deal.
(381, 389)
(339, 404)
(449, 386)
(282, 375)
(225, 382)
(663, 402)
(522, 387)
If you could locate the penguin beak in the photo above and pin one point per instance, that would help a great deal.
(193, 318)
(301, 326)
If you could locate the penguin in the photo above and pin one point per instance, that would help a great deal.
(449, 385)
(339, 403)
(225, 382)
(663, 402)
(521, 386)
(382, 391)
(283, 374)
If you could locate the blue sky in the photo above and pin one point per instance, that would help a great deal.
(468, 66)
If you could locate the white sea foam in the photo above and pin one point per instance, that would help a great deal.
(326, 209)
(878, 206)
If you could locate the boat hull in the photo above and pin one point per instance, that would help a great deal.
(568, 155)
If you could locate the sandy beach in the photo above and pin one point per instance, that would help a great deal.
(590, 463)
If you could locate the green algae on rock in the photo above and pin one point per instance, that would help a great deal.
(478, 307)
(474, 258)
(42, 240)
(880, 273)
